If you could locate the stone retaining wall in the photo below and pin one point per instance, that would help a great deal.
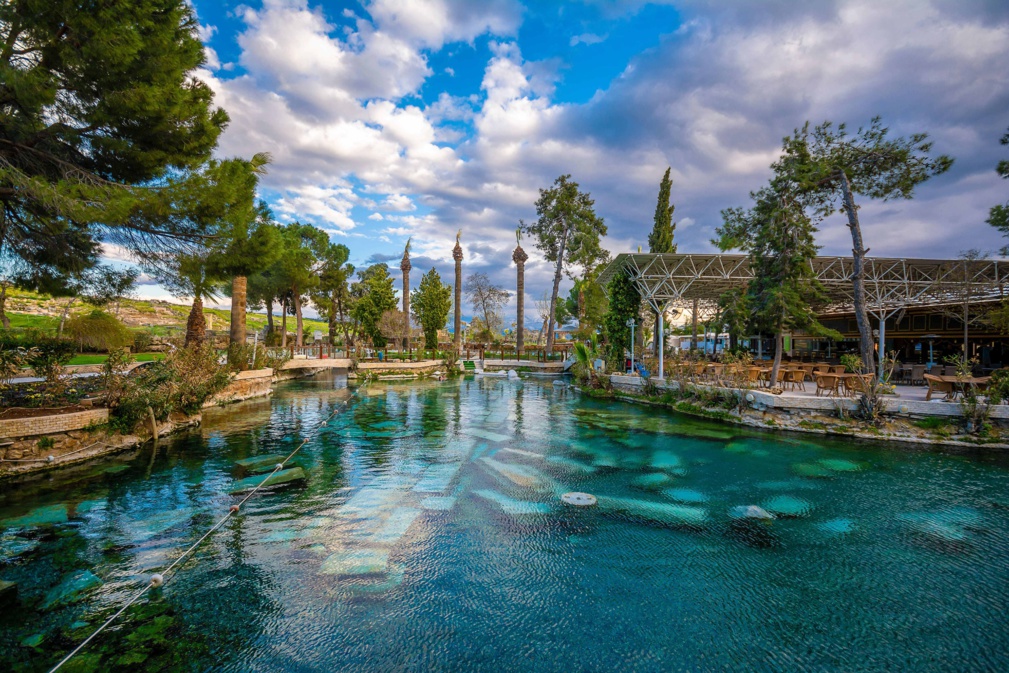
(523, 365)
(47, 425)
(244, 386)
(823, 415)
(400, 368)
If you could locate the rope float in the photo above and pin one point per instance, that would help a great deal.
(160, 579)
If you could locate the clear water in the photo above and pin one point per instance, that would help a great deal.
(429, 536)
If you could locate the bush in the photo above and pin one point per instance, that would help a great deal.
(852, 363)
(98, 331)
(181, 382)
(142, 341)
(12, 360)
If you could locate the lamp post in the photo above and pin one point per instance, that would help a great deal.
(630, 323)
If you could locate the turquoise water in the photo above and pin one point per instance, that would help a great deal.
(429, 535)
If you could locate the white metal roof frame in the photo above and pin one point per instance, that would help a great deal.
(891, 284)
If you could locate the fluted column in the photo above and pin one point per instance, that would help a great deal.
(405, 267)
(457, 256)
(519, 256)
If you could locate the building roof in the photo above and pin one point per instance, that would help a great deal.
(891, 284)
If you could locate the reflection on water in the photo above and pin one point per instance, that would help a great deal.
(429, 535)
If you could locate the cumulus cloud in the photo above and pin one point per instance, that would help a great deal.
(341, 112)
(587, 38)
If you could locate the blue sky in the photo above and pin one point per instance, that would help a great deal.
(396, 118)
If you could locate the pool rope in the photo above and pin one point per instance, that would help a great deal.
(160, 579)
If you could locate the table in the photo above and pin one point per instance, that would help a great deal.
(954, 385)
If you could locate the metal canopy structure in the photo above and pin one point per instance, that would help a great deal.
(891, 284)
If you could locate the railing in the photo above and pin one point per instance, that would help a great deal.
(312, 351)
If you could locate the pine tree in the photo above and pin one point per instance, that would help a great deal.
(98, 98)
(779, 237)
(828, 168)
(567, 232)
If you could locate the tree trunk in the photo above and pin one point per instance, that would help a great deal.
(858, 278)
(332, 320)
(298, 334)
(283, 323)
(63, 318)
(269, 315)
(196, 324)
(693, 339)
(3, 307)
(555, 290)
(239, 285)
(779, 343)
(343, 322)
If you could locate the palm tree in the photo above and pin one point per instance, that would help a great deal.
(457, 256)
(519, 256)
(405, 267)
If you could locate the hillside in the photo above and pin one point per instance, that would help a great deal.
(28, 309)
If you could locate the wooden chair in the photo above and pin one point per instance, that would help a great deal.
(807, 370)
(826, 383)
(856, 385)
(821, 369)
(795, 378)
(937, 385)
(837, 369)
(917, 376)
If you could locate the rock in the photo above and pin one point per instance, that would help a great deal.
(33, 641)
(40, 516)
(258, 464)
(786, 505)
(571, 464)
(686, 495)
(658, 512)
(71, 590)
(750, 512)
(839, 465)
(520, 475)
(8, 592)
(812, 470)
(652, 482)
(663, 460)
(356, 562)
(282, 477)
(511, 505)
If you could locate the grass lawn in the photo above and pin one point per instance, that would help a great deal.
(24, 320)
(96, 359)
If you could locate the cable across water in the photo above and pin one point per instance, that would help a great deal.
(160, 579)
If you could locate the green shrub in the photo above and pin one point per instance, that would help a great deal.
(142, 341)
(98, 331)
(181, 382)
(932, 423)
(852, 363)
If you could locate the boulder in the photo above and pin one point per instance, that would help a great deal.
(282, 477)
(71, 590)
(750, 512)
(8, 592)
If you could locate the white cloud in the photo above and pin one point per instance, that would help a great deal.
(587, 38)
(712, 101)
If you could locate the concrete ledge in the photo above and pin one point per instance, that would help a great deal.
(47, 425)
(396, 365)
(762, 399)
(498, 365)
(317, 363)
